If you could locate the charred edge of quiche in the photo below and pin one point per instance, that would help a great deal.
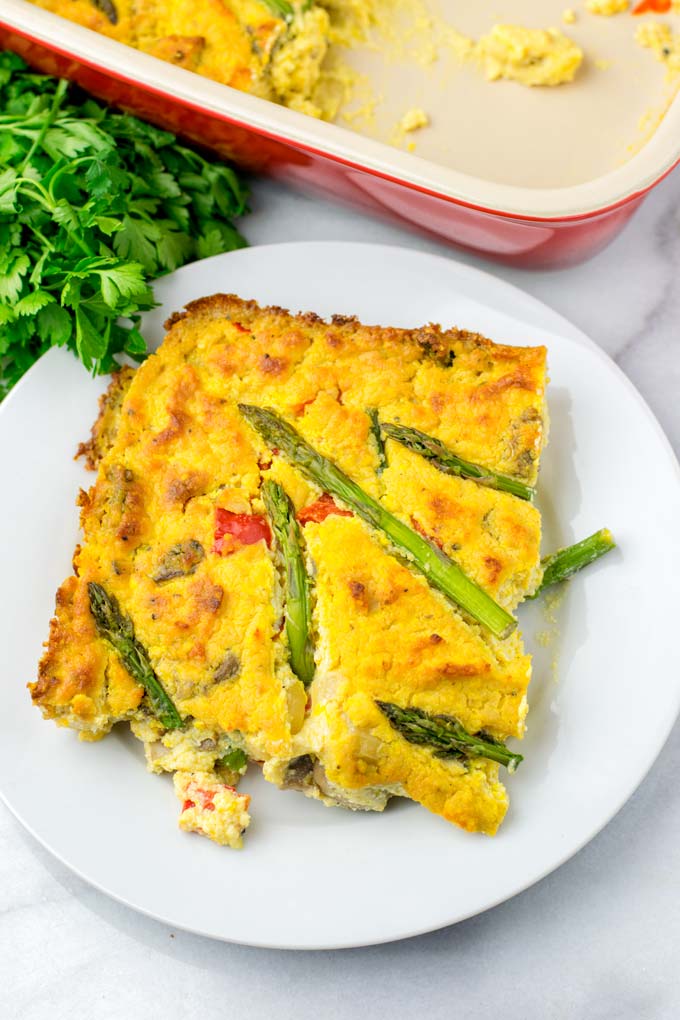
(525, 365)
(431, 339)
(105, 427)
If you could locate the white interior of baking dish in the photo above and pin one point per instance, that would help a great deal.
(501, 131)
(493, 145)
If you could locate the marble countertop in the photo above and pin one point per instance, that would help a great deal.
(597, 940)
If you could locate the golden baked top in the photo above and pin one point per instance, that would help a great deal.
(176, 533)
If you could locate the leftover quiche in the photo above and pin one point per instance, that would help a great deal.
(276, 49)
(273, 50)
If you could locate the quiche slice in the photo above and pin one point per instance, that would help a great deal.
(177, 616)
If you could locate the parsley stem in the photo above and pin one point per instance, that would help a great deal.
(68, 168)
(39, 234)
(58, 99)
(48, 203)
(26, 183)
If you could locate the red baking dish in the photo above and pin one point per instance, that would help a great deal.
(525, 225)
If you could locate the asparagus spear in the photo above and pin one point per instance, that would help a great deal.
(376, 432)
(565, 562)
(117, 629)
(446, 736)
(298, 609)
(440, 572)
(451, 464)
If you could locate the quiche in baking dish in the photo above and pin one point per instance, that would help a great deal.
(271, 48)
(303, 549)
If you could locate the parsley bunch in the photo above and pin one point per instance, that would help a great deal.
(93, 205)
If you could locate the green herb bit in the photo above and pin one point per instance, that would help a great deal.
(565, 562)
(376, 434)
(446, 736)
(235, 760)
(282, 9)
(281, 513)
(116, 628)
(451, 464)
(439, 571)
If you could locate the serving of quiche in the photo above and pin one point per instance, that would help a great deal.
(303, 551)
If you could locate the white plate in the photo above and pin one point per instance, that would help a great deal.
(311, 877)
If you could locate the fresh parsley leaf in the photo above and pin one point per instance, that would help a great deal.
(8, 189)
(12, 279)
(174, 248)
(163, 184)
(209, 243)
(107, 224)
(54, 325)
(122, 281)
(137, 240)
(134, 342)
(104, 179)
(33, 302)
(90, 343)
(93, 205)
(65, 214)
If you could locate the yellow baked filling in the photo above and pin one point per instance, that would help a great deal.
(607, 8)
(211, 808)
(176, 459)
(664, 44)
(530, 56)
(242, 43)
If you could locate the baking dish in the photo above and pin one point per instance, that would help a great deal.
(525, 225)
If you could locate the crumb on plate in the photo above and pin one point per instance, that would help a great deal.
(211, 808)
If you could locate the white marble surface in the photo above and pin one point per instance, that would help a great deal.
(597, 940)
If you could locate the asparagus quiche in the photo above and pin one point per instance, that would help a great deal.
(303, 549)
(272, 48)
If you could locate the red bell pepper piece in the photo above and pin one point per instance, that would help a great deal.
(320, 510)
(232, 530)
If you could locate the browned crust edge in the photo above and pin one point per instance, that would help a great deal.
(430, 338)
(103, 432)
